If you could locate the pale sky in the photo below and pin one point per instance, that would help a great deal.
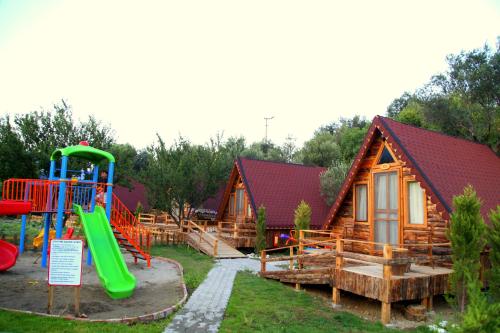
(198, 67)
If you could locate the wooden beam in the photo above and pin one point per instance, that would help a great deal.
(262, 261)
(336, 296)
(386, 313)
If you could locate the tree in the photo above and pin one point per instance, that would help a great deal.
(466, 234)
(125, 159)
(267, 151)
(181, 174)
(260, 230)
(322, 150)
(41, 132)
(15, 161)
(302, 217)
(332, 179)
(464, 101)
(289, 149)
(494, 243)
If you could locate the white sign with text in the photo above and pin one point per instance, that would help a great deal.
(65, 262)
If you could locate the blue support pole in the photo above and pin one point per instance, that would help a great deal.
(48, 217)
(109, 192)
(95, 178)
(61, 198)
(23, 234)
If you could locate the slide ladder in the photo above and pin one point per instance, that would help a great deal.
(129, 232)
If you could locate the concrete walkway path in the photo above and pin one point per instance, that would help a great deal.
(205, 309)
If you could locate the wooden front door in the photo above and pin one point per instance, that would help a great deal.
(386, 207)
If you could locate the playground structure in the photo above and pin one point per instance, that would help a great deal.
(95, 203)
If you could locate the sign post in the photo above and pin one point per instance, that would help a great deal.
(65, 268)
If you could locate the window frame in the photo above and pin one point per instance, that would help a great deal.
(406, 196)
(354, 202)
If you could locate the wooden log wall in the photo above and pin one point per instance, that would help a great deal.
(344, 225)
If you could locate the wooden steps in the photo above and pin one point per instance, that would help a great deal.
(208, 243)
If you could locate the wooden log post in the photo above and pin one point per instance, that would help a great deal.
(262, 261)
(50, 300)
(77, 301)
(386, 305)
(291, 258)
(339, 263)
(339, 260)
(216, 245)
(301, 247)
(427, 302)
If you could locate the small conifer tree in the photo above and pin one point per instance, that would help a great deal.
(302, 218)
(138, 209)
(467, 236)
(260, 229)
(494, 243)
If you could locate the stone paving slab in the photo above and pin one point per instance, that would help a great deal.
(205, 309)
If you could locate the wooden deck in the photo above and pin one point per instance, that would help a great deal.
(393, 277)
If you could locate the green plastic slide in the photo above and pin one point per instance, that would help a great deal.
(110, 265)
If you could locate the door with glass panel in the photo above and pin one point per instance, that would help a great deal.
(386, 207)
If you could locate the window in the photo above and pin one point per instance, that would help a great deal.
(239, 202)
(249, 210)
(416, 207)
(385, 157)
(361, 199)
(231, 204)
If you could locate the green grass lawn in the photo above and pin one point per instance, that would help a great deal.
(196, 265)
(259, 305)
(18, 322)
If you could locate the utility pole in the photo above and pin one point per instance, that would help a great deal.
(267, 119)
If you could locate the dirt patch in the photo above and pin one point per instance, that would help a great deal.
(24, 287)
(371, 309)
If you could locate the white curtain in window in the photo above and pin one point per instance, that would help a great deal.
(415, 203)
(381, 191)
(361, 203)
(239, 201)
(393, 190)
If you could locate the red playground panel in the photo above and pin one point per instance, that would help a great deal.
(11, 207)
(8, 255)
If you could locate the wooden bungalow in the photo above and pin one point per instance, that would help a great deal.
(279, 187)
(385, 234)
(400, 187)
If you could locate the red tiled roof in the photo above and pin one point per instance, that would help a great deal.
(442, 164)
(213, 203)
(130, 197)
(280, 187)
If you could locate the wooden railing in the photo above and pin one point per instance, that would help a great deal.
(135, 232)
(397, 256)
(201, 235)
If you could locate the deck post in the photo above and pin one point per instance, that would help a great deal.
(301, 247)
(339, 260)
(427, 302)
(291, 257)
(262, 261)
(216, 244)
(386, 305)
(335, 295)
(386, 313)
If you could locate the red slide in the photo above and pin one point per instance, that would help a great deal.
(8, 251)
(8, 255)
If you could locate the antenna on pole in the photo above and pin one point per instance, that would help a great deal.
(267, 119)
